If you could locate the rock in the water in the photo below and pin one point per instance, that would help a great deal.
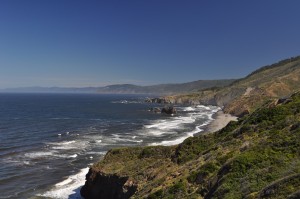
(155, 110)
(157, 100)
(169, 110)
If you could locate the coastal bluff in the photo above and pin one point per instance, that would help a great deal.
(254, 157)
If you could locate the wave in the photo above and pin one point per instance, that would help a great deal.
(178, 140)
(199, 112)
(120, 139)
(68, 188)
(189, 109)
(69, 145)
(34, 155)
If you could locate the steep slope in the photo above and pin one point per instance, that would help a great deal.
(245, 95)
(255, 157)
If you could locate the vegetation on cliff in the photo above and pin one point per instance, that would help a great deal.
(246, 94)
(255, 157)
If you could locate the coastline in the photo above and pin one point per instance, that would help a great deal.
(221, 119)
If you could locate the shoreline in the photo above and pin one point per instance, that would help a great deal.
(221, 119)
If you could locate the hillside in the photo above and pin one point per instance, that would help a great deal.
(245, 95)
(165, 88)
(255, 157)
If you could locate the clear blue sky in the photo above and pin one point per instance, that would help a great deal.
(95, 43)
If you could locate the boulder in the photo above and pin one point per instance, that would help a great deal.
(169, 110)
(155, 110)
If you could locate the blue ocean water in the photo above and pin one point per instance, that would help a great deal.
(47, 141)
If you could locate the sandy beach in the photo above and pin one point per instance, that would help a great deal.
(220, 121)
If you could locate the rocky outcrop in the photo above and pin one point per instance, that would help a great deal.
(99, 185)
(169, 110)
(155, 110)
(157, 100)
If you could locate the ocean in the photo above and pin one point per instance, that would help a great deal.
(48, 141)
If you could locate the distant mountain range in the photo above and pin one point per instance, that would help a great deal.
(130, 88)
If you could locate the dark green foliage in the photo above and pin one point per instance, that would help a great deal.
(156, 195)
(231, 126)
(192, 148)
(269, 116)
(178, 188)
(203, 173)
(159, 151)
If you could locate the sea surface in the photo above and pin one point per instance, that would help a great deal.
(48, 141)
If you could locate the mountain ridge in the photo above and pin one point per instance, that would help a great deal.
(129, 88)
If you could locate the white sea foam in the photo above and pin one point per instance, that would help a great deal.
(35, 155)
(178, 140)
(68, 145)
(73, 156)
(26, 162)
(118, 138)
(54, 154)
(162, 127)
(189, 109)
(67, 142)
(68, 188)
(203, 107)
(175, 123)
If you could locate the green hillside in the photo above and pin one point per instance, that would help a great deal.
(256, 157)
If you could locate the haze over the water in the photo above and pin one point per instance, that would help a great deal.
(96, 43)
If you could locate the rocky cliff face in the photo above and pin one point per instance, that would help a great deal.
(109, 186)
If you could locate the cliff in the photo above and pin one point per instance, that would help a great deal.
(254, 157)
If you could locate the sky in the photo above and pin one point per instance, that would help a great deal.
(79, 43)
